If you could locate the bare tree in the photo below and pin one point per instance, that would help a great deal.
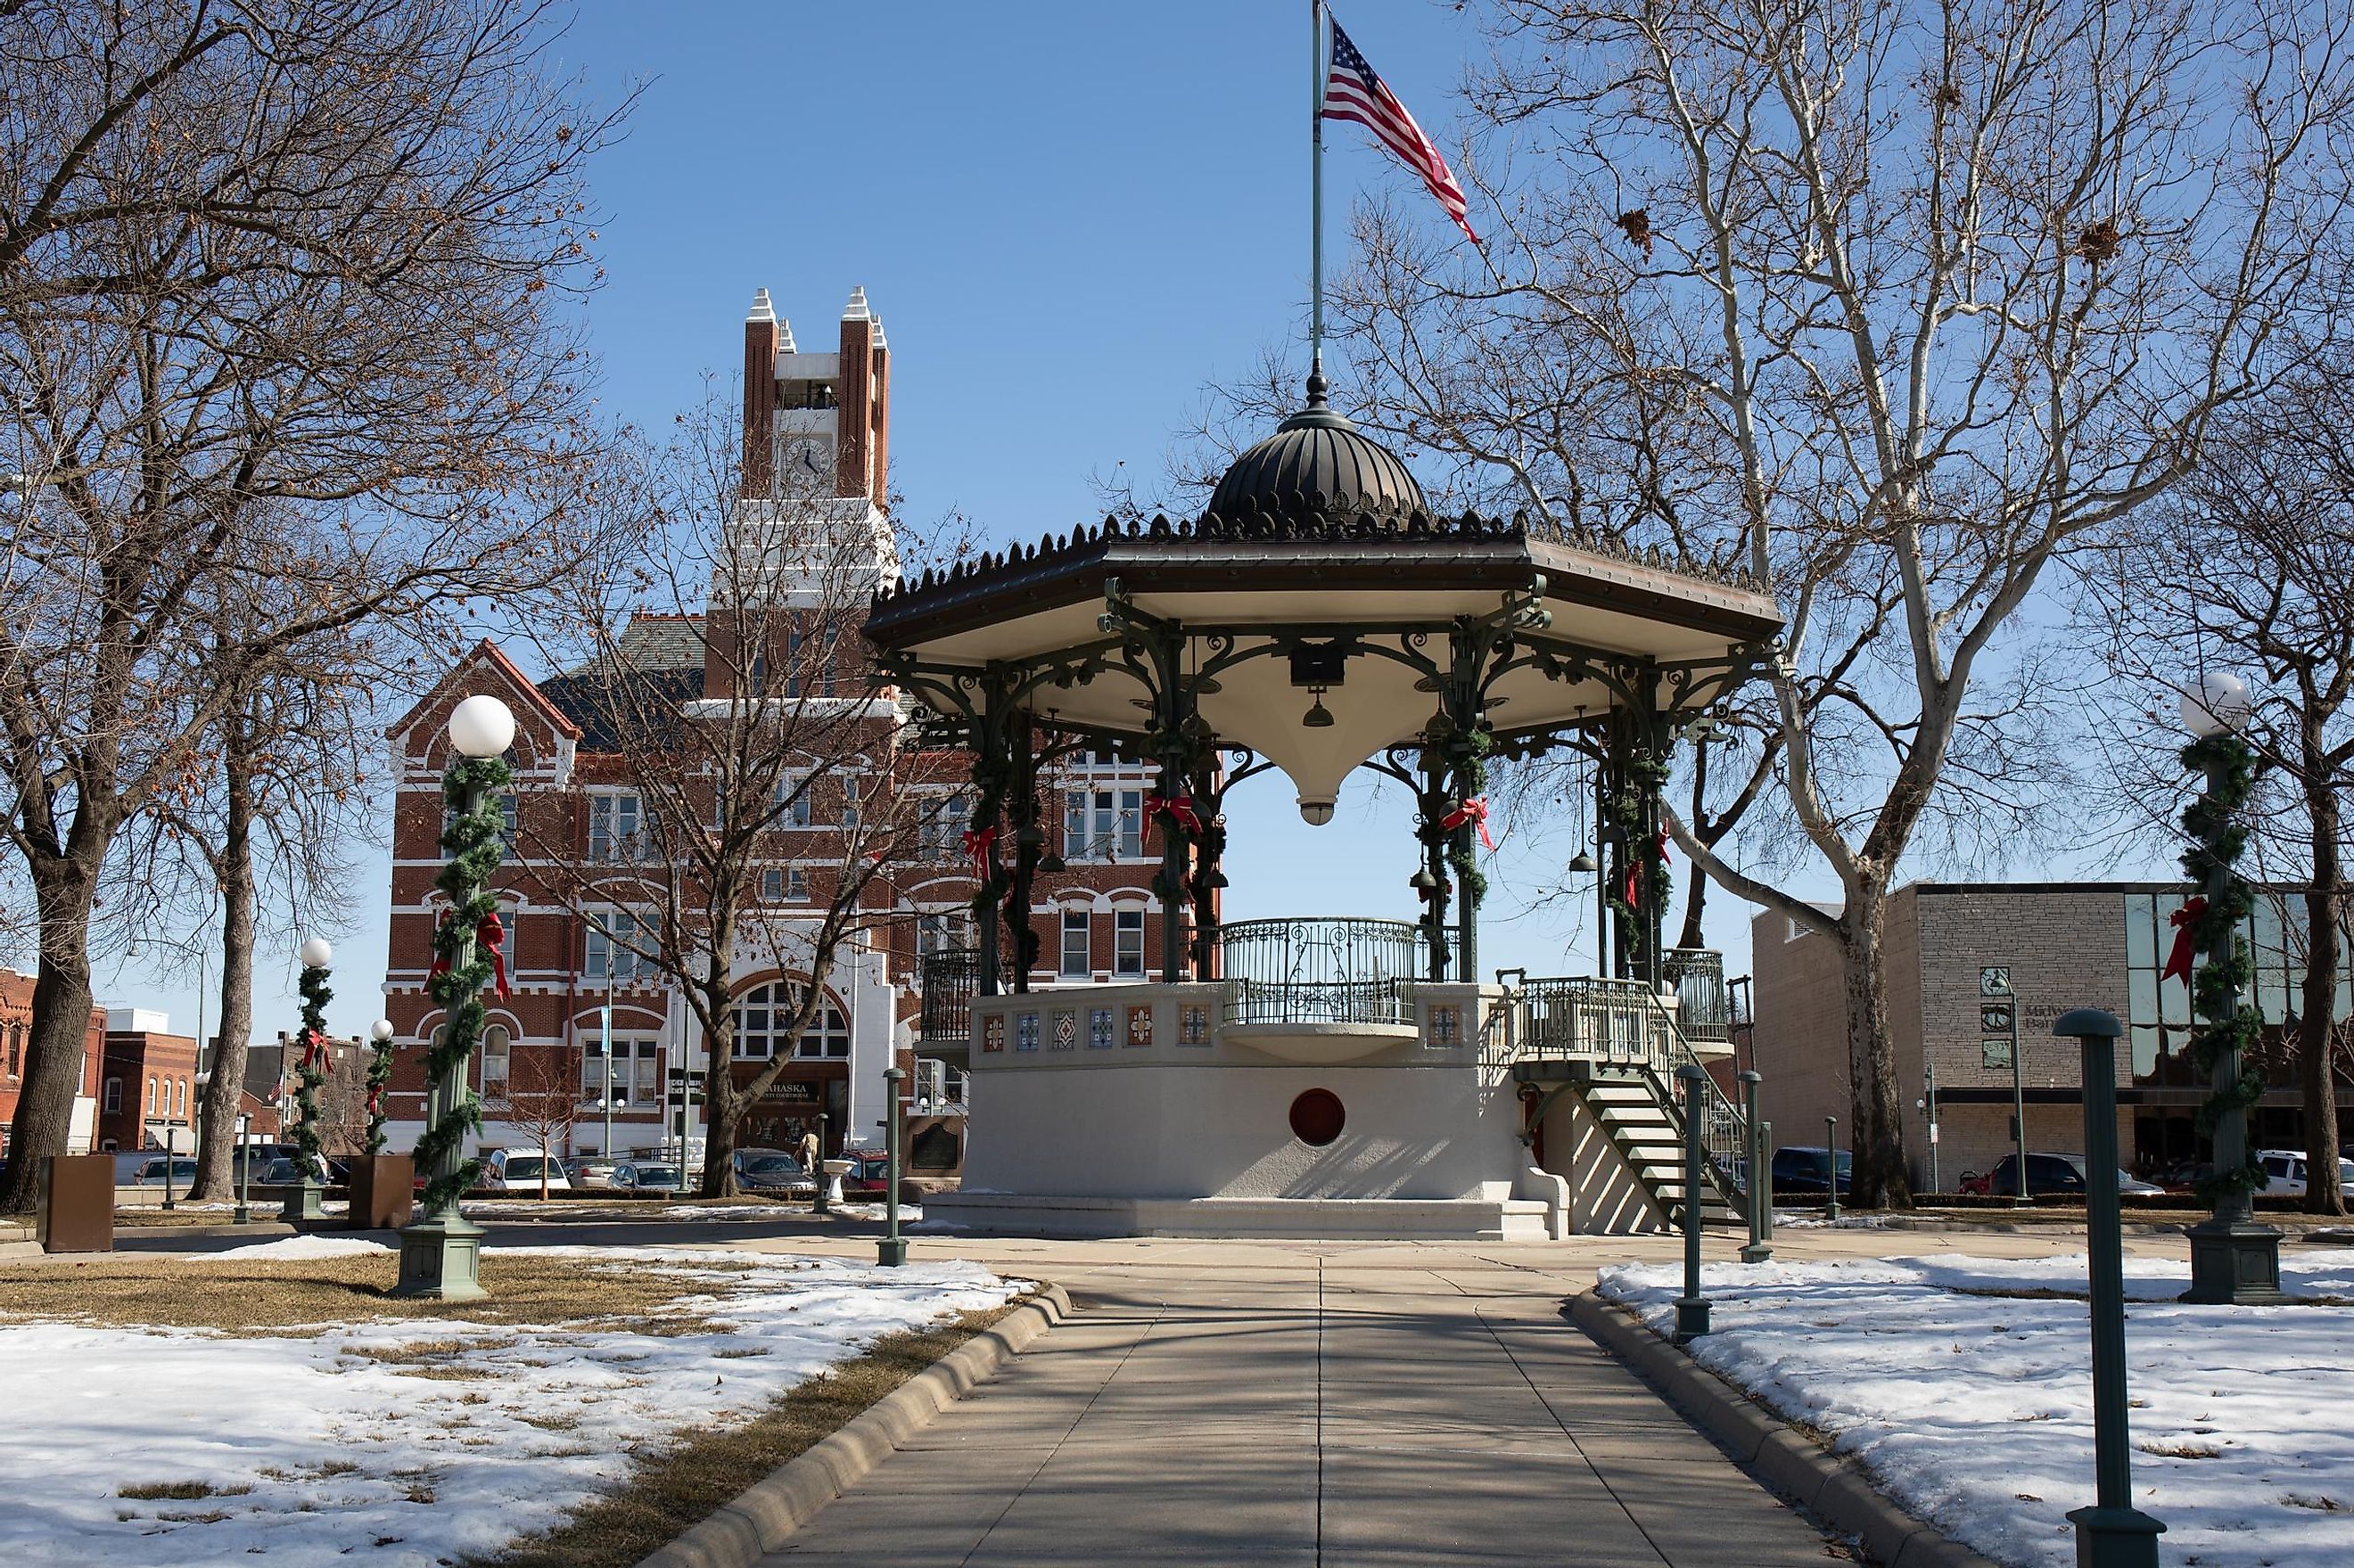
(1894, 305)
(541, 1099)
(275, 286)
(776, 795)
(2251, 567)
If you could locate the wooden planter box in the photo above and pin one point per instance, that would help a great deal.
(77, 1207)
(383, 1192)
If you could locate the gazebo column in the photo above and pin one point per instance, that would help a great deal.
(1464, 743)
(1430, 796)
(1028, 843)
(1209, 859)
(1638, 774)
(988, 731)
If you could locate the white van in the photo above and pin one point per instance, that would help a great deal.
(521, 1172)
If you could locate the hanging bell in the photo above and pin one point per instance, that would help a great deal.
(1317, 716)
(1584, 864)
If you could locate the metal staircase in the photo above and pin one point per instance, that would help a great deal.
(1617, 1045)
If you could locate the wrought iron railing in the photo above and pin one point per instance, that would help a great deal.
(1703, 1007)
(1319, 971)
(951, 978)
(1625, 1023)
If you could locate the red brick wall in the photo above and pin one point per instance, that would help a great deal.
(15, 1046)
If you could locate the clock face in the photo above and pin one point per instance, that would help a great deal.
(806, 458)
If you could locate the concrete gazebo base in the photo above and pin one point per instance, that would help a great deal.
(1320, 1219)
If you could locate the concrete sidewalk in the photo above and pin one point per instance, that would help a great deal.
(1341, 1406)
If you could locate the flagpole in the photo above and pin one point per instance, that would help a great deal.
(1315, 198)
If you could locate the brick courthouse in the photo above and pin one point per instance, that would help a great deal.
(804, 414)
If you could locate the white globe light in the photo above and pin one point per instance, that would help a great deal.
(316, 954)
(381, 1030)
(1315, 813)
(482, 727)
(2220, 703)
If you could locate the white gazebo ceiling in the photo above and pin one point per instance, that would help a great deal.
(1255, 591)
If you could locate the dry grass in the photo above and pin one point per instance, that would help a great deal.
(179, 1491)
(699, 1469)
(127, 1290)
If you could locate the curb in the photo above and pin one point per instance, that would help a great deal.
(1784, 1459)
(743, 1531)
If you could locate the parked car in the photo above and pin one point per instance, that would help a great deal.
(869, 1172)
(284, 1172)
(2048, 1175)
(2285, 1172)
(589, 1170)
(147, 1171)
(771, 1171)
(528, 1173)
(646, 1176)
(1808, 1169)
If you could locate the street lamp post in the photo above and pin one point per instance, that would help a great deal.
(440, 1253)
(2233, 1260)
(892, 1250)
(2112, 1534)
(302, 1200)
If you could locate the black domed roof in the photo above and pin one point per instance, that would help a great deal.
(1318, 455)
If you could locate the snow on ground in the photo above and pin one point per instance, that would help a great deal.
(296, 1247)
(321, 1454)
(1971, 1404)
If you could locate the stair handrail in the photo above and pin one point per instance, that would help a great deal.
(1724, 1130)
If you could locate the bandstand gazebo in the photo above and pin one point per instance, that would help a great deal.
(1321, 1076)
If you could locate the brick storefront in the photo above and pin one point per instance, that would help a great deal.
(2056, 946)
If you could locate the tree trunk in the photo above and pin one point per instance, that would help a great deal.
(216, 1173)
(1697, 895)
(722, 1105)
(62, 891)
(2318, 1029)
(1875, 1123)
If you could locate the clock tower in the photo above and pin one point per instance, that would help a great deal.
(816, 425)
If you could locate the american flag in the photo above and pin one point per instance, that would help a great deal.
(1354, 91)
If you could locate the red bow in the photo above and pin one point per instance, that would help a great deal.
(1474, 811)
(375, 1099)
(491, 935)
(979, 844)
(2185, 949)
(314, 1047)
(1178, 808)
(1633, 883)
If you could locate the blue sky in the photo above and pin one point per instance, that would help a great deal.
(1070, 217)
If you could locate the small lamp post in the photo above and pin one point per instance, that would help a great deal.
(380, 1037)
(1691, 1308)
(244, 1215)
(1761, 1171)
(1830, 1161)
(2112, 1534)
(823, 1180)
(440, 1253)
(891, 1252)
(2233, 1260)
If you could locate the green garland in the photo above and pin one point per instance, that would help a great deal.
(308, 1074)
(1645, 776)
(1466, 762)
(472, 848)
(2217, 840)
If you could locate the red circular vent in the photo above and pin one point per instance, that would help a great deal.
(1317, 1117)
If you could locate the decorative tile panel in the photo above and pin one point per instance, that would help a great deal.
(1099, 1029)
(992, 1033)
(1193, 1024)
(1067, 1029)
(1139, 1024)
(1025, 1031)
(1446, 1026)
